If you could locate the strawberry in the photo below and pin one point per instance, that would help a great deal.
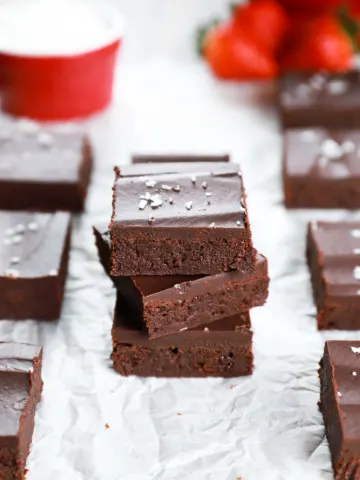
(233, 54)
(265, 20)
(321, 45)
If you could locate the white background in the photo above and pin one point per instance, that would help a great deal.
(265, 427)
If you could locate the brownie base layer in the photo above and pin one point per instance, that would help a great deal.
(141, 253)
(306, 192)
(230, 359)
(48, 196)
(13, 460)
(35, 298)
(332, 314)
(346, 466)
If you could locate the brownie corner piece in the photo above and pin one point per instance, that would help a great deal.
(34, 254)
(340, 405)
(20, 392)
(44, 171)
(333, 259)
(180, 224)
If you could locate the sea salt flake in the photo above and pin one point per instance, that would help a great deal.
(17, 239)
(189, 205)
(146, 197)
(208, 194)
(354, 374)
(356, 273)
(337, 87)
(177, 285)
(150, 183)
(339, 394)
(156, 201)
(171, 201)
(20, 228)
(355, 233)
(33, 227)
(331, 149)
(356, 251)
(193, 179)
(142, 204)
(183, 329)
(206, 329)
(212, 225)
(355, 349)
(177, 188)
(204, 185)
(166, 187)
(238, 223)
(348, 146)
(15, 260)
(151, 219)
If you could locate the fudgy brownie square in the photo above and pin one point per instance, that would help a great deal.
(180, 224)
(174, 303)
(43, 171)
(322, 99)
(340, 405)
(321, 168)
(221, 349)
(20, 392)
(34, 252)
(333, 251)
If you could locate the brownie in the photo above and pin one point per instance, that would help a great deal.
(43, 171)
(180, 224)
(321, 168)
(20, 392)
(176, 158)
(171, 303)
(340, 406)
(333, 251)
(320, 100)
(221, 349)
(156, 168)
(34, 251)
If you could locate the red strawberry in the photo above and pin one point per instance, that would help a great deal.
(265, 20)
(233, 54)
(321, 45)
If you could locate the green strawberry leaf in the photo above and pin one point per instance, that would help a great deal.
(349, 25)
(201, 33)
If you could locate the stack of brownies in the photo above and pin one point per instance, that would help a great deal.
(180, 254)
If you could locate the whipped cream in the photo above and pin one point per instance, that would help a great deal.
(57, 27)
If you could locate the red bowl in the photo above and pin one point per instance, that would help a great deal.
(57, 87)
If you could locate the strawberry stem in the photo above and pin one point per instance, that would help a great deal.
(201, 33)
(348, 25)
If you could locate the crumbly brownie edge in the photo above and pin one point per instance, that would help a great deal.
(344, 464)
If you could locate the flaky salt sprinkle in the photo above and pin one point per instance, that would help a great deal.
(33, 227)
(356, 251)
(212, 225)
(150, 183)
(204, 185)
(177, 285)
(142, 204)
(339, 394)
(15, 260)
(355, 233)
(354, 374)
(183, 329)
(189, 205)
(166, 187)
(206, 329)
(356, 272)
(193, 179)
(208, 194)
(151, 219)
(355, 349)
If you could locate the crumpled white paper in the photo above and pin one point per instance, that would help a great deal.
(264, 427)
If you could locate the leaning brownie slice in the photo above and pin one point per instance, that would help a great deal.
(180, 224)
(340, 405)
(20, 391)
(220, 349)
(172, 303)
(333, 258)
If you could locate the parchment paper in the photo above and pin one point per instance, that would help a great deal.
(264, 427)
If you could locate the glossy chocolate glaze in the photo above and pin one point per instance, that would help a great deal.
(158, 168)
(320, 99)
(187, 202)
(41, 157)
(31, 244)
(322, 153)
(16, 365)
